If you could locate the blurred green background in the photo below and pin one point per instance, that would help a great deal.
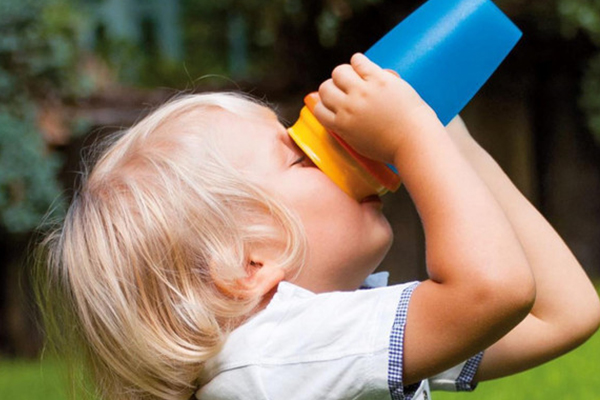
(72, 71)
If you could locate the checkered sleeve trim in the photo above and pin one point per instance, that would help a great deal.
(464, 382)
(397, 389)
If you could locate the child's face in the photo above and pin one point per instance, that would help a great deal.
(347, 239)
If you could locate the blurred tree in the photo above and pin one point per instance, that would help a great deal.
(286, 45)
(38, 74)
(583, 17)
(38, 71)
(281, 46)
(139, 39)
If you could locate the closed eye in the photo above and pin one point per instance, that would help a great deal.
(300, 156)
(300, 160)
(304, 161)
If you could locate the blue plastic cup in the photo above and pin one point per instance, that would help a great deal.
(447, 50)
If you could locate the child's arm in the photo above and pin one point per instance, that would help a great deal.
(480, 283)
(566, 310)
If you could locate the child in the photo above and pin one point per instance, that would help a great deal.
(206, 255)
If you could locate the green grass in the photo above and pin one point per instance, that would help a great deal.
(20, 380)
(575, 376)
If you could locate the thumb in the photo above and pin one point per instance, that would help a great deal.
(364, 67)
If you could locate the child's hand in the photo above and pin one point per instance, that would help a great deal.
(373, 110)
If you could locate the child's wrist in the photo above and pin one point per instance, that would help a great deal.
(416, 138)
(423, 123)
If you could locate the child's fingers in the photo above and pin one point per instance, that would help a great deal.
(331, 95)
(345, 77)
(324, 115)
(364, 67)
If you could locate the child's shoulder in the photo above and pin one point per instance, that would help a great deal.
(373, 291)
(336, 334)
(297, 322)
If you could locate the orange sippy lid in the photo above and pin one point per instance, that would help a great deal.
(356, 175)
(378, 170)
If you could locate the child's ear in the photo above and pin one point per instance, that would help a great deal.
(263, 276)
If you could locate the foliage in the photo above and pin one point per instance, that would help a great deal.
(38, 55)
(590, 98)
(580, 15)
(583, 16)
(28, 182)
(270, 32)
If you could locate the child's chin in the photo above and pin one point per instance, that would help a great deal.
(383, 245)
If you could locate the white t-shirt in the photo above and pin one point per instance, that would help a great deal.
(337, 345)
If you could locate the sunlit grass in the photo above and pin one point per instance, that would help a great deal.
(20, 379)
(575, 376)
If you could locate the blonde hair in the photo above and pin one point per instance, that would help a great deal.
(160, 225)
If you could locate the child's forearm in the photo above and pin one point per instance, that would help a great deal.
(459, 213)
(474, 258)
(566, 310)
